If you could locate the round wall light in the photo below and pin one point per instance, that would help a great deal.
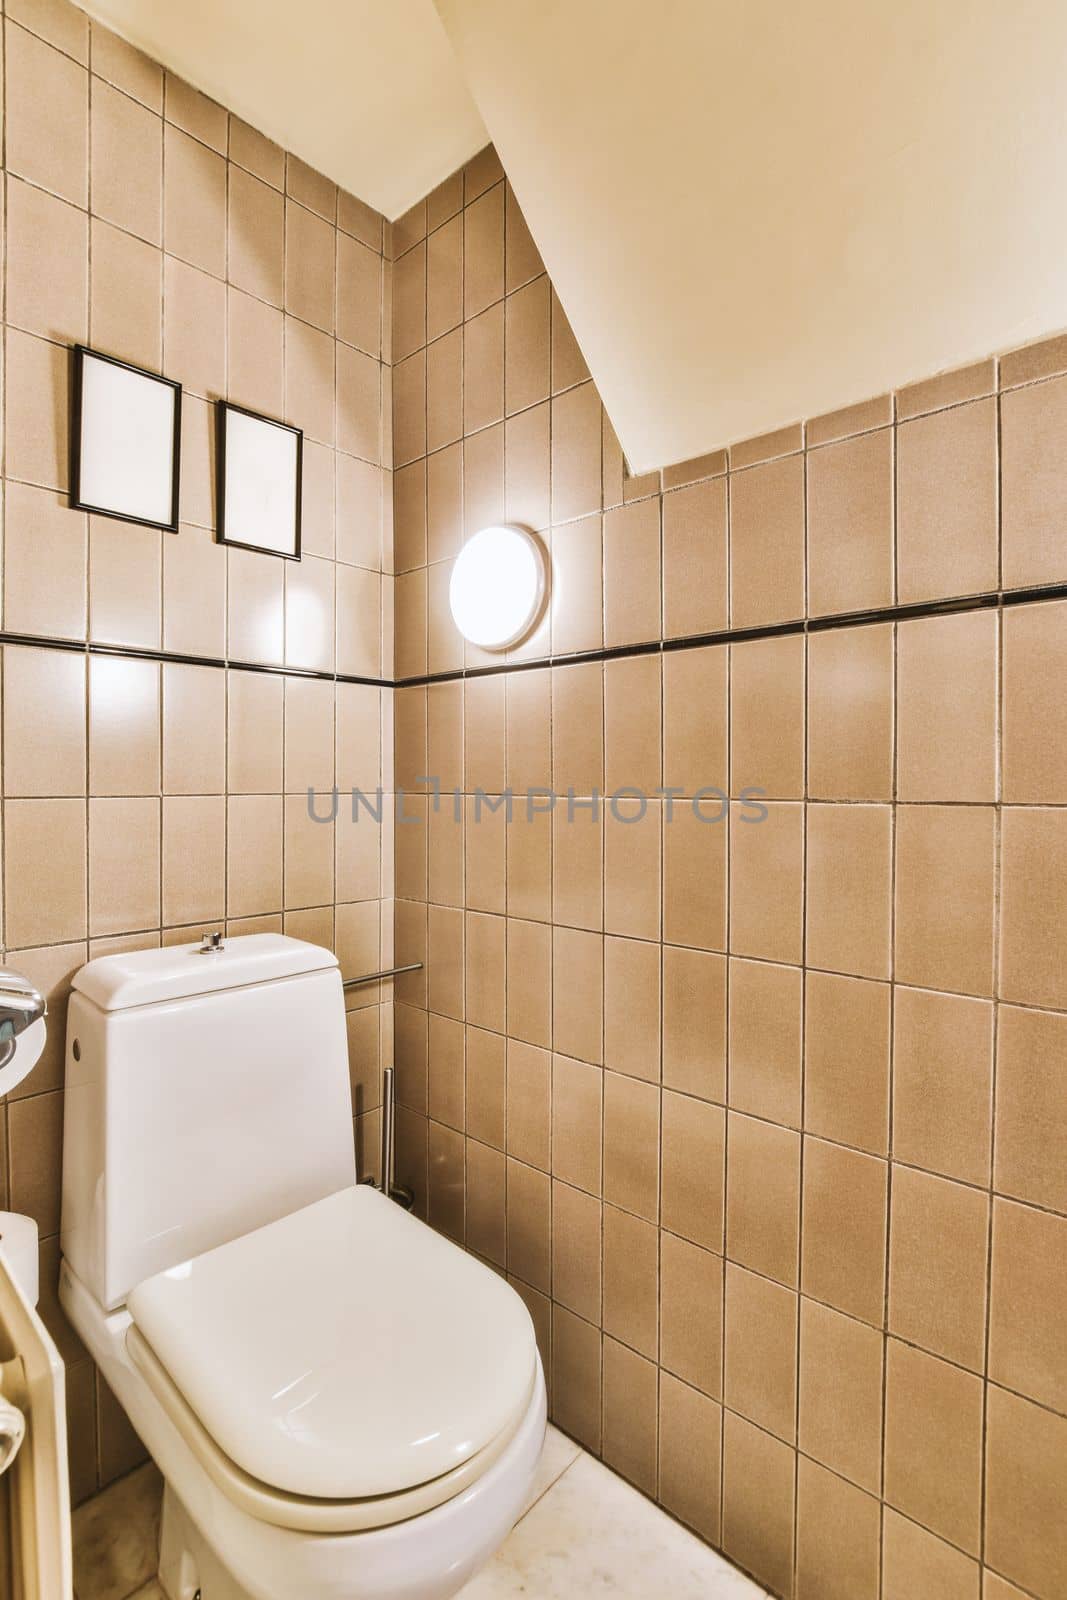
(498, 586)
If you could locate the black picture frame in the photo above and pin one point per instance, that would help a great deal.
(80, 353)
(222, 412)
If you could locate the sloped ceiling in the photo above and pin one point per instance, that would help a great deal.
(366, 91)
(756, 212)
(751, 212)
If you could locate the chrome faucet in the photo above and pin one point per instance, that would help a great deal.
(21, 1005)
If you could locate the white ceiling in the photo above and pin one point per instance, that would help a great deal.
(366, 91)
(756, 212)
(751, 212)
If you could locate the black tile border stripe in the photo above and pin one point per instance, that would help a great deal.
(989, 600)
(93, 647)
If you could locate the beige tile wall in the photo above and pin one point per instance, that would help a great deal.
(147, 800)
(766, 1123)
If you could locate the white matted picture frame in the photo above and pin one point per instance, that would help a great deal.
(125, 447)
(260, 465)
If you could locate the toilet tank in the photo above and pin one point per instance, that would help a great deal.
(206, 1095)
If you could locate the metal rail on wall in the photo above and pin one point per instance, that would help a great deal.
(378, 977)
(397, 1192)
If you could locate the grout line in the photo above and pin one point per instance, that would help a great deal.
(87, 524)
(891, 1026)
(998, 863)
(728, 675)
(547, 1490)
(802, 1139)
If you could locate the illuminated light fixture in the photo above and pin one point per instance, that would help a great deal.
(498, 586)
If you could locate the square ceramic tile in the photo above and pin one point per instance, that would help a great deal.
(767, 717)
(760, 1368)
(47, 116)
(576, 1233)
(850, 714)
(1031, 1114)
(691, 1313)
(767, 543)
(1033, 750)
(933, 1444)
(839, 1531)
(695, 580)
(848, 889)
(483, 251)
(947, 503)
(127, 163)
(125, 290)
(527, 345)
(947, 685)
(763, 1197)
(693, 1165)
(759, 1506)
(840, 1417)
(1034, 485)
(194, 202)
(846, 1086)
(850, 524)
(690, 1456)
(1033, 929)
(576, 454)
(631, 1396)
(913, 1560)
(845, 1215)
(945, 895)
(939, 1236)
(631, 1280)
(41, 227)
(1026, 1454)
(1027, 1301)
(943, 1083)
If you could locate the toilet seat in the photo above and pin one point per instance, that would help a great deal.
(339, 1369)
(281, 1510)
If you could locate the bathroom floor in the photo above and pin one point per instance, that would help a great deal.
(584, 1532)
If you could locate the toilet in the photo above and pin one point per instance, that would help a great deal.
(343, 1404)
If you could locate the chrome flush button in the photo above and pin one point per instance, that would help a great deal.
(211, 945)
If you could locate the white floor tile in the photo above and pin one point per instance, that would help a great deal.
(591, 1535)
(116, 1538)
(556, 1457)
(586, 1533)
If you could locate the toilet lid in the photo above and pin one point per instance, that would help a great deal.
(344, 1351)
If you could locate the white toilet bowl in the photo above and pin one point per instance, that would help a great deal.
(343, 1404)
(230, 1535)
